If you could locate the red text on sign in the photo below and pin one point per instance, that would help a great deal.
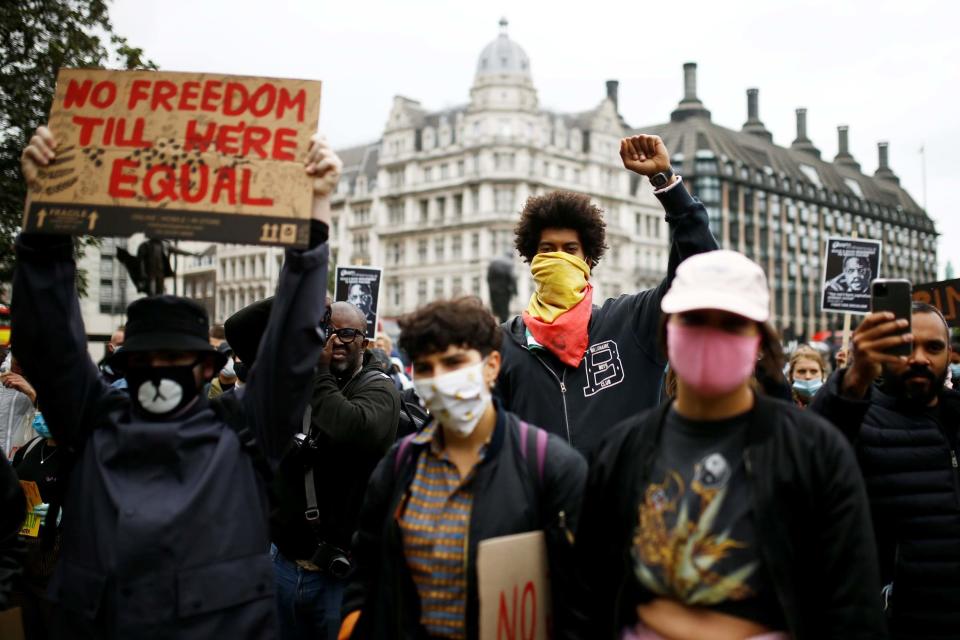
(165, 183)
(507, 615)
(242, 139)
(215, 96)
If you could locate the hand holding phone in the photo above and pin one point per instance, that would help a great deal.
(894, 295)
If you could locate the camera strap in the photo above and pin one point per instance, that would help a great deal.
(311, 513)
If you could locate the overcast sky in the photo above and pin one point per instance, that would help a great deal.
(888, 69)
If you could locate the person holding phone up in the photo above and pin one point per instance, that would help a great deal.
(904, 425)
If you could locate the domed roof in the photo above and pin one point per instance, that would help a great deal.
(503, 55)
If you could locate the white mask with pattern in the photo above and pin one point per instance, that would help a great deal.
(456, 399)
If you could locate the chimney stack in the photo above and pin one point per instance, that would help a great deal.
(803, 143)
(884, 172)
(753, 124)
(843, 157)
(613, 89)
(690, 105)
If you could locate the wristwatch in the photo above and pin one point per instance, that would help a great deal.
(662, 179)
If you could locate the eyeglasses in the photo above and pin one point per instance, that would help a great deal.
(346, 335)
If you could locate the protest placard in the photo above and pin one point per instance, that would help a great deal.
(178, 155)
(514, 586)
(360, 286)
(944, 295)
(849, 265)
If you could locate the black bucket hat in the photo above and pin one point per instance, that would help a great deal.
(167, 323)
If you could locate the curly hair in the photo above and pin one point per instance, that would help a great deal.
(561, 210)
(434, 327)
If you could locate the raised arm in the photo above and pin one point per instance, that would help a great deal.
(280, 381)
(49, 338)
(689, 227)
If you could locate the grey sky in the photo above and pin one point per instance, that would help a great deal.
(887, 69)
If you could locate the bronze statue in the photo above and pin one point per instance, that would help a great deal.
(151, 266)
(503, 285)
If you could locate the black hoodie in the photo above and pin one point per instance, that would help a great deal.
(622, 371)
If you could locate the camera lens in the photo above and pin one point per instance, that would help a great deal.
(339, 566)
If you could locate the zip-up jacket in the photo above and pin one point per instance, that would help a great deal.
(811, 518)
(908, 457)
(622, 370)
(167, 529)
(508, 498)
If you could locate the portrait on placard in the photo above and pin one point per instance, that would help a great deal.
(360, 286)
(850, 265)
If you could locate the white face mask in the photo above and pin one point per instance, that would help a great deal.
(456, 399)
(228, 370)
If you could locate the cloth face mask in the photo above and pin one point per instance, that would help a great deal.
(158, 392)
(561, 281)
(40, 425)
(711, 361)
(456, 399)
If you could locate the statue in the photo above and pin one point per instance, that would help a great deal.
(151, 266)
(503, 285)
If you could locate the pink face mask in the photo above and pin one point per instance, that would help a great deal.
(712, 361)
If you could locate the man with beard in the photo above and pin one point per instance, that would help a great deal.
(904, 424)
(352, 423)
(855, 277)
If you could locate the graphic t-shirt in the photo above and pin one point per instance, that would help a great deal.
(696, 540)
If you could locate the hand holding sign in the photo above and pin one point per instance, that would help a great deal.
(39, 153)
(325, 166)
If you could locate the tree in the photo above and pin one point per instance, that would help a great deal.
(37, 38)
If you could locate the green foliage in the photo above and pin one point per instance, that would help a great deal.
(37, 38)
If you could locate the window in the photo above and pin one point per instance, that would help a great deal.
(475, 245)
(395, 213)
(361, 215)
(441, 208)
(444, 171)
(422, 250)
(395, 252)
(477, 291)
(438, 248)
(428, 174)
(396, 178)
(421, 291)
(504, 198)
(437, 288)
(475, 200)
(503, 161)
(424, 211)
(854, 186)
(458, 206)
(460, 168)
(457, 285)
(707, 188)
(456, 247)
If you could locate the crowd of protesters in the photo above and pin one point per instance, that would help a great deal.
(282, 476)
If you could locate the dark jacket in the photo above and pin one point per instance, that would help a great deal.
(508, 498)
(12, 513)
(909, 462)
(353, 427)
(173, 539)
(622, 370)
(810, 512)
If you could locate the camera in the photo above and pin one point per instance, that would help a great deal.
(332, 560)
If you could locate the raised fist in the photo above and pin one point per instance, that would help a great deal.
(644, 154)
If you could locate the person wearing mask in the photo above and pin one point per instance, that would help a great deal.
(174, 540)
(806, 374)
(13, 508)
(904, 425)
(353, 419)
(227, 376)
(474, 472)
(17, 407)
(574, 367)
(725, 513)
(38, 461)
(115, 343)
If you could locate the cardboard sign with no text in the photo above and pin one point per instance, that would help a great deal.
(514, 585)
(178, 155)
(944, 295)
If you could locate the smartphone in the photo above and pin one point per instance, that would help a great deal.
(893, 295)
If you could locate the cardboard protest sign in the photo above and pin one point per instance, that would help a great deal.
(944, 295)
(514, 586)
(178, 155)
(360, 286)
(849, 265)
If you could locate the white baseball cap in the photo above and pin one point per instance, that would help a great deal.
(724, 280)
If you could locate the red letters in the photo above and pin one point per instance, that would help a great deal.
(138, 92)
(507, 615)
(283, 140)
(77, 93)
(267, 91)
(245, 196)
(163, 91)
(235, 99)
(103, 95)
(226, 180)
(298, 102)
(189, 93)
(118, 178)
(211, 95)
(166, 185)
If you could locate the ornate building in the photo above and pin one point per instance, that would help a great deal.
(778, 204)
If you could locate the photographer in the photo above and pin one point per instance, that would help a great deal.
(353, 421)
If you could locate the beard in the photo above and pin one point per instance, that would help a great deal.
(917, 386)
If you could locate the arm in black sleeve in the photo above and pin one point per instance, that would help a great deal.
(843, 412)
(846, 553)
(367, 541)
(277, 394)
(690, 234)
(565, 475)
(49, 338)
(367, 420)
(12, 513)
